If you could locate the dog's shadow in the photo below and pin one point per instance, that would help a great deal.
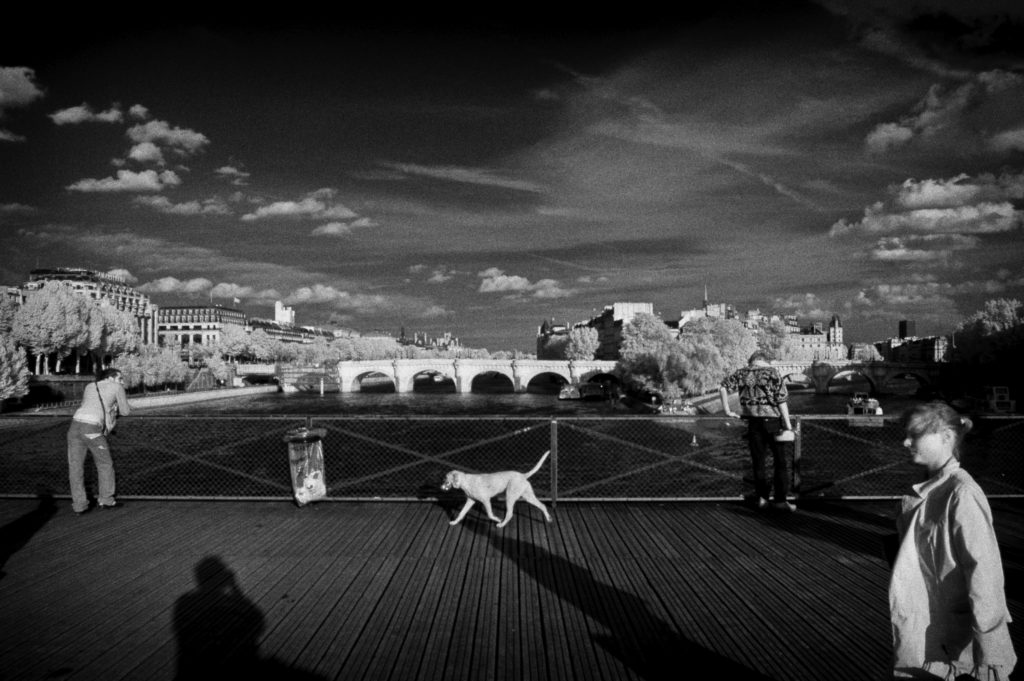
(450, 501)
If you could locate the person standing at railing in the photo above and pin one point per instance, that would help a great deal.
(946, 595)
(763, 405)
(94, 419)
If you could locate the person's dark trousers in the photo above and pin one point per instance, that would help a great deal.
(761, 438)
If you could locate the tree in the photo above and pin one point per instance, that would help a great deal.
(120, 334)
(583, 343)
(261, 345)
(8, 308)
(555, 347)
(733, 340)
(995, 330)
(650, 359)
(220, 369)
(772, 339)
(234, 341)
(13, 368)
(50, 323)
(989, 345)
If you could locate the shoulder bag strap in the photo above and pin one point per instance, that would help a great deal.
(102, 405)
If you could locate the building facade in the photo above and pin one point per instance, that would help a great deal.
(609, 326)
(186, 325)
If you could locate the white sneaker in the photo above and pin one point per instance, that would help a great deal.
(761, 502)
(784, 506)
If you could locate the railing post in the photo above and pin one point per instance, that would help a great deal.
(554, 463)
(795, 482)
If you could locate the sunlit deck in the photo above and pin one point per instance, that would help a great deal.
(361, 590)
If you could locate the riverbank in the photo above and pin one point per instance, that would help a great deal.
(173, 399)
(149, 401)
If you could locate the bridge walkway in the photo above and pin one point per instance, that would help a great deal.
(364, 590)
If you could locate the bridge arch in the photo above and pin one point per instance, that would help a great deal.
(923, 381)
(544, 381)
(433, 381)
(502, 381)
(377, 380)
(850, 372)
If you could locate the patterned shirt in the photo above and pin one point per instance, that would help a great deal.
(761, 390)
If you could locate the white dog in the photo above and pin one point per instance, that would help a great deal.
(483, 487)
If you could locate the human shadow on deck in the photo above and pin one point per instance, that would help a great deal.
(15, 534)
(639, 638)
(218, 631)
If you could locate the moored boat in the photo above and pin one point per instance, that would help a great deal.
(861, 404)
(583, 391)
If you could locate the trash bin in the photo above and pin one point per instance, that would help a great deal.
(306, 461)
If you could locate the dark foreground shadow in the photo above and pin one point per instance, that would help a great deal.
(640, 639)
(218, 631)
(15, 534)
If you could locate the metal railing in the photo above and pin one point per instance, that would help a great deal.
(660, 458)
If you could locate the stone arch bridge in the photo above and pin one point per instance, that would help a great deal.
(821, 373)
(520, 372)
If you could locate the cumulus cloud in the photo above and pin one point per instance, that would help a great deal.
(182, 140)
(16, 209)
(123, 275)
(175, 285)
(318, 205)
(342, 228)
(1009, 140)
(440, 275)
(923, 298)
(233, 175)
(941, 109)
(138, 112)
(83, 113)
(930, 247)
(888, 136)
(332, 229)
(129, 181)
(494, 280)
(926, 221)
(229, 290)
(162, 204)
(806, 305)
(146, 152)
(17, 90)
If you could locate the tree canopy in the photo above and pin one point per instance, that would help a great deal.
(583, 343)
(654, 359)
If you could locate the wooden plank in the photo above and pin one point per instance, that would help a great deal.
(428, 616)
(590, 596)
(454, 599)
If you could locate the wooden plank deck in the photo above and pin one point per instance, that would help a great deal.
(389, 591)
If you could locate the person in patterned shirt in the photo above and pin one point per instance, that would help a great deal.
(762, 397)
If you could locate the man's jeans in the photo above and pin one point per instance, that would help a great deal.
(762, 440)
(86, 438)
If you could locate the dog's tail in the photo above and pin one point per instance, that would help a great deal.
(539, 463)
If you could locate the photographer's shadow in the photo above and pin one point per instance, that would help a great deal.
(218, 630)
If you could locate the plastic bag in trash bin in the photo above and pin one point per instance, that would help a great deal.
(306, 459)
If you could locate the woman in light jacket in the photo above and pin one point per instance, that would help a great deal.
(946, 596)
(102, 402)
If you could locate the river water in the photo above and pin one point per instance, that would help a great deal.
(432, 400)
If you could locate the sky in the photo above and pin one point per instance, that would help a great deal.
(480, 175)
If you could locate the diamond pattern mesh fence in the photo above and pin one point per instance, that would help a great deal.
(406, 458)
